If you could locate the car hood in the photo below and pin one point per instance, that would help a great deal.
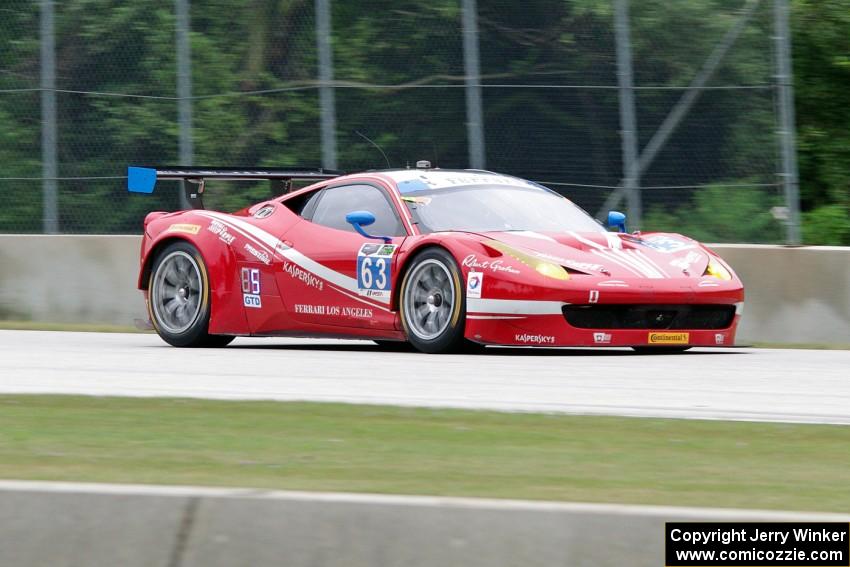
(608, 254)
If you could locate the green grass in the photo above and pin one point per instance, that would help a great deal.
(338, 447)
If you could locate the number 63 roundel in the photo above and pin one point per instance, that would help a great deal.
(374, 269)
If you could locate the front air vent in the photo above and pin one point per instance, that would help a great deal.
(649, 316)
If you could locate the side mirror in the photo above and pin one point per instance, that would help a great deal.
(617, 219)
(359, 219)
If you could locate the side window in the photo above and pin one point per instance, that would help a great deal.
(337, 202)
(310, 205)
(303, 205)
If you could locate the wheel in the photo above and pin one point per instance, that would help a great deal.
(660, 349)
(432, 305)
(179, 298)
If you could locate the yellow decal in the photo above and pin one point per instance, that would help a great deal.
(416, 200)
(456, 313)
(668, 338)
(187, 228)
(546, 268)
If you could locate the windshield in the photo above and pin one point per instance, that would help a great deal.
(484, 208)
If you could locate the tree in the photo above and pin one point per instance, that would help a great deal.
(821, 75)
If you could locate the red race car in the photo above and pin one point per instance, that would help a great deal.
(444, 260)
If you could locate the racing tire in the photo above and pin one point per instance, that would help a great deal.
(660, 349)
(179, 298)
(432, 304)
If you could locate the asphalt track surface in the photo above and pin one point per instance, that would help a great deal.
(807, 386)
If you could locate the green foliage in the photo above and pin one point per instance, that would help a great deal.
(564, 135)
(822, 88)
(721, 214)
(828, 225)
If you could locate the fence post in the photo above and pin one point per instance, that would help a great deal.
(787, 137)
(50, 209)
(327, 102)
(628, 128)
(184, 90)
(472, 72)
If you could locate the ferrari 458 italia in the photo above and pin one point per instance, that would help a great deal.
(441, 260)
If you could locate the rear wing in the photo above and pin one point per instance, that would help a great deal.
(143, 179)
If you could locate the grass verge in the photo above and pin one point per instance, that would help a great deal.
(338, 447)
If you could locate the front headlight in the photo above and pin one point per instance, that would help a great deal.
(548, 269)
(717, 270)
(552, 270)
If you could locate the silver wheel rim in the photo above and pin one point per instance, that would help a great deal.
(429, 299)
(176, 292)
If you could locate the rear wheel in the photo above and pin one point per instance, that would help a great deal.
(660, 349)
(432, 304)
(179, 298)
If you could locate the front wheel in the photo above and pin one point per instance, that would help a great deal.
(432, 303)
(179, 298)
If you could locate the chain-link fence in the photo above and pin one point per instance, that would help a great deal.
(560, 87)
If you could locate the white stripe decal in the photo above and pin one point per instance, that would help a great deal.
(492, 317)
(532, 234)
(610, 254)
(613, 241)
(610, 258)
(236, 228)
(646, 266)
(294, 256)
(340, 280)
(265, 238)
(651, 263)
(361, 299)
(619, 256)
(590, 243)
(514, 306)
(624, 256)
(613, 283)
(647, 269)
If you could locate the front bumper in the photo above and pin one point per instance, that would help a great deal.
(553, 330)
